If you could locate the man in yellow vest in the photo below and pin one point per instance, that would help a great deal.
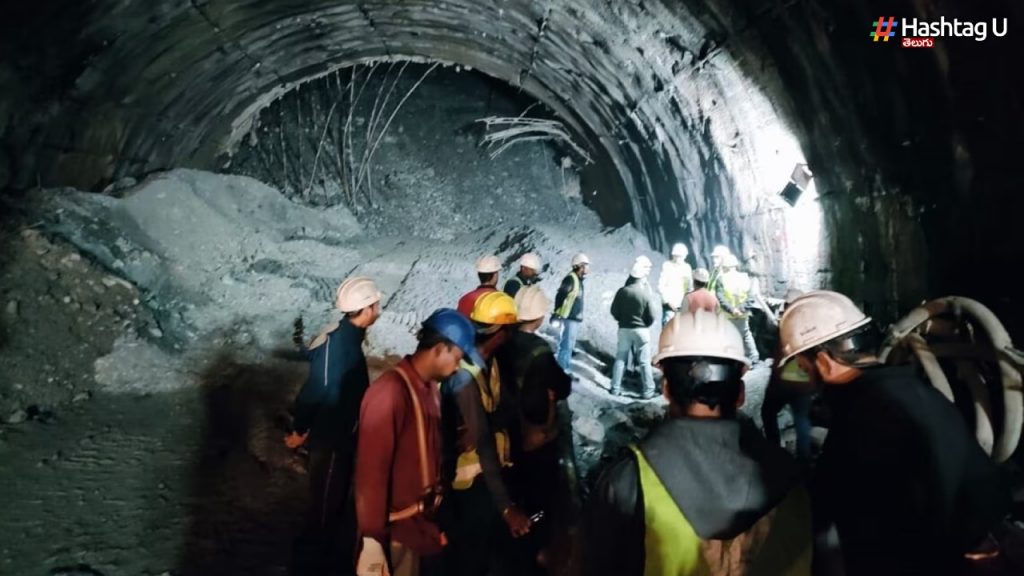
(475, 432)
(705, 493)
(733, 291)
(568, 314)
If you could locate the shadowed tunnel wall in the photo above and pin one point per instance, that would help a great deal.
(702, 108)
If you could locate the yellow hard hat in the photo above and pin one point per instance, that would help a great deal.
(495, 308)
(701, 334)
(816, 318)
(532, 303)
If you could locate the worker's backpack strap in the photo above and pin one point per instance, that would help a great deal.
(431, 497)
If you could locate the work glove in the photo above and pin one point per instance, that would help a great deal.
(372, 561)
(294, 439)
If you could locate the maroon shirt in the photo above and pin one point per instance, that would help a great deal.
(468, 300)
(701, 299)
(387, 477)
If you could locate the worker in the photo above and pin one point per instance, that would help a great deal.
(718, 255)
(633, 309)
(790, 385)
(487, 269)
(540, 389)
(754, 267)
(704, 493)
(326, 418)
(733, 293)
(568, 314)
(528, 275)
(907, 486)
(700, 298)
(477, 452)
(675, 281)
(397, 476)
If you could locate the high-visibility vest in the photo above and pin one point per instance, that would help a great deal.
(736, 288)
(468, 467)
(566, 308)
(779, 544)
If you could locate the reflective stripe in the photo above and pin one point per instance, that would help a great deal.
(566, 308)
(671, 546)
(792, 372)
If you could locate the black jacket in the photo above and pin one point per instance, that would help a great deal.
(528, 361)
(902, 477)
(632, 306)
(513, 284)
(723, 475)
(328, 404)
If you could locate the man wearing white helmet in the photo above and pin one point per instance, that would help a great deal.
(327, 413)
(487, 269)
(733, 292)
(675, 281)
(529, 268)
(907, 486)
(633, 309)
(718, 255)
(568, 313)
(704, 493)
(539, 388)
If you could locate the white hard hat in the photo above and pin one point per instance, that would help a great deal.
(701, 333)
(641, 267)
(701, 275)
(580, 259)
(679, 250)
(816, 318)
(488, 264)
(532, 303)
(730, 261)
(720, 251)
(530, 260)
(356, 293)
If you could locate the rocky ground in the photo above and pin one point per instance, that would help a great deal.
(143, 394)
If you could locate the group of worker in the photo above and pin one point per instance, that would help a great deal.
(451, 462)
(681, 289)
(413, 473)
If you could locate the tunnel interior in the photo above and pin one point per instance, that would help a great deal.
(180, 181)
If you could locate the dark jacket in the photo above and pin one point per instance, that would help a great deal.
(576, 310)
(513, 284)
(632, 306)
(328, 404)
(530, 369)
(722, 474)
(903, 478)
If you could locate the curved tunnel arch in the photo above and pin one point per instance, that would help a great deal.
(642, 82)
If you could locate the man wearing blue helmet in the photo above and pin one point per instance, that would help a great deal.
(398, 461)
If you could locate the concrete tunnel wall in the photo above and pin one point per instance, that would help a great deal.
(702, 107)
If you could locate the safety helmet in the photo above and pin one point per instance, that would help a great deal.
(531, 303)
(720, 251)
(488, 264)
(356, 293)
(814, 319)
(701, 275)
(641, 267)
(701, 333)
(580, 259)
(530, 260)
(679, 250)
(457, 329)
(494, 308)
(730, 261)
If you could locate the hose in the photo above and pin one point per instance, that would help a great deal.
(1010, 361)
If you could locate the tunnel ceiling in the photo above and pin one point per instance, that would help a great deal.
(701, 106)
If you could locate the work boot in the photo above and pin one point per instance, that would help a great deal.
(649, 394)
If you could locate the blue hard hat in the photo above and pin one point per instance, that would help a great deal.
(457, 329)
